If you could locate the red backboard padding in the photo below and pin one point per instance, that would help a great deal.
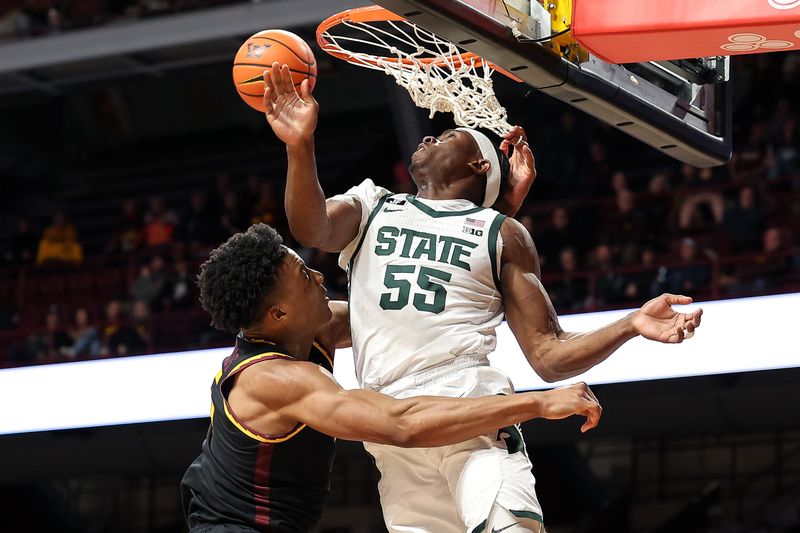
(632, 31)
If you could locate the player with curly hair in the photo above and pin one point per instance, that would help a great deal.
(276, 409)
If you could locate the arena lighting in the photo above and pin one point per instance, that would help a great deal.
(739, 335)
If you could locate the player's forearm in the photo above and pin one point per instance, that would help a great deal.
(304, 199)
(429, 421)
(575, 353)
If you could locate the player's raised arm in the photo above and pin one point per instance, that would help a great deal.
(555, 354)
(522, 172)
(302, 392)
(293, 117)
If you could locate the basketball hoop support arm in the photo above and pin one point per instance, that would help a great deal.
(606, 91)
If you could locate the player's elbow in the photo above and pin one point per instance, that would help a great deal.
(306, 235)
(544, 370)
(393, 434)
(548, 377)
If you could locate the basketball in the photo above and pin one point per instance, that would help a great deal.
(259, 52)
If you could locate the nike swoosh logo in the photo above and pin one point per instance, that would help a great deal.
(392, 210)
(504, 528)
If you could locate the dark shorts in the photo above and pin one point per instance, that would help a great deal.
(202, 527)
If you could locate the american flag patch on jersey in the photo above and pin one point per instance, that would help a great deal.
(475, 222)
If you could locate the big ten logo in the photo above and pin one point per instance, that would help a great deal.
(784, 4)
(750, 42)
(256, 50)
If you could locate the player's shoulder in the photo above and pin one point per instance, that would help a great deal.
(513, 228)
(518, 245)
(278, 378)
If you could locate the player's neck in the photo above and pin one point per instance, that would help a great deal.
(298, 345)
(459, 190)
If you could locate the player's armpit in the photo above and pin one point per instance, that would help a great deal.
(528, 309)
(344, 219)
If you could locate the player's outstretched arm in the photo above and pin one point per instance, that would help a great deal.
(555, 354)
(302, 392)
(293, 118)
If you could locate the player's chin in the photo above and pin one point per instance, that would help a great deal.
(325, 309)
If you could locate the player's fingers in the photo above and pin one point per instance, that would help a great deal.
(513, 132)
(269, 94)
(269, 87)
(274, 75)
(677, 299)
(286, 77)
(527, 154)
(269, 110)
(592, 413)
(697, 316)
(504, 146)
(517, 134)
(305, 92)
(679, 336)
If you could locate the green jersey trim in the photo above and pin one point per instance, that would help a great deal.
(438, 214)
(372, 216)
(494, 230)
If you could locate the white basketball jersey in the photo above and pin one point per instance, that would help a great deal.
(423, 283)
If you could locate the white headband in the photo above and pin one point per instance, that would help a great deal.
(493, 176)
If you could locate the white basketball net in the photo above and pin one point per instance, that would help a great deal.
(450, 83)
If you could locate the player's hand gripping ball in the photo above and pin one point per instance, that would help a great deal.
(259, 52)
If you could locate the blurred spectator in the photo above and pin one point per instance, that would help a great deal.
(658, 210)
(85, 336)
(781, 114)
(596, 171)
(744, 222)
(786, 149)
(180, 291)
(619, 183)
(267, 208)
(150, 286)
(159, 225)
(561, 234)
(610, 285)
(641, 285)
(233, 218)
(34, 17)
(51, 343)
(141, 320)
(625, 228)
(569, 163)
(198, 228)
(216, 194)
(700, 188)
(570, 291)
(129, 234)
(120, 337)
(252, 190)
(59, 243)
(692, 276)
(770, 265)
(527, 223)
(23, 245)
(753, 157)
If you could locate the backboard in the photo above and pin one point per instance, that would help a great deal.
(682, 108)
